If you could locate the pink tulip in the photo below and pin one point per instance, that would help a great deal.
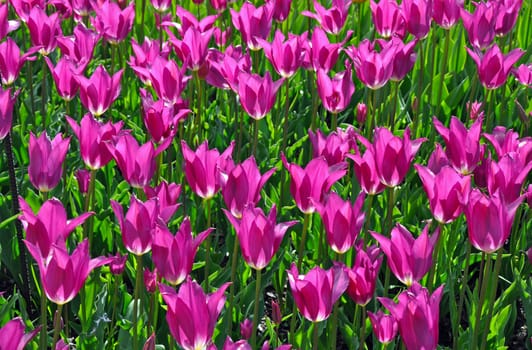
(11, 61)
(373, 68)
(118, 264)
(362, 112)
(446, 13)
(493, 66)
(281, 9)
(364, 274)
(139, 225)
(285, 56)
(64, 77)
(342, 221)
(242, 186)
(507, 176)
(192, 315)
(46, 160)
(12, 335)
(253, 22)
(98, 92)
(113, 23)
(202, 168)
(238, 345)
(79, 48)
(523, 74)
(44, 30)
(63, 275)
(309, 185)
(6, 26)
(81, 8)
(173, 255)
(507, 141)
(224, 68)
(475, 110)
(463, 148)
(23, 7)
(168, 80)
(150, 280)
(257, 94)
(365, 168)
(7, 103)
(331, 20)
(83, 177)
(218, 5)
(506, 15)
(447, 191)
(417, 314)
(384, 326)
(388, 18)
(246, 329)
(418, 15)
(321, 53)
(316, 292)
(480, 25)
(336, 93)
(333, 147)
(408, 258)
(167, 195)
(258, 235)
(529, 255)
(93, 138)
(145, 56)
(161, 6)
(189, 20)
(50, 226)
(192, 49)
(403, 59)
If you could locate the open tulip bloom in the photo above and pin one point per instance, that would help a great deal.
(12, 335)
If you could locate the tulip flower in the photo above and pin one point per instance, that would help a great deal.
(403, 59)
(83, 177)
(50, 225)
(494, 67)
(98, 92)
(341, 220)
(192, 315)
(46, 160)
(150, 280)
(139, 224)
(117, 264)
(192, 49)
(447, 191)
(285, 56)
(362, 112)
(523, 74)
(480, 25)
(173, 255)
(63, 275)
(384, 326)
(161, 6)
(331, 20)
(113, 23)
(44, 29)
(336, 93)
(388, 18)
(167, 195)
(529, 255)
(373, 68)
(408, 258)
(168, 80)
(463, 148)
(506, 15)
(7, 102)
(508, 141)
(316, 292)
(253, 22)
(507, 176)
(418, 15)
(79, 48)
(202, 168)
(366, 171)
(11, 61)
(64, 77)
(93, 137)
(417, 313)
(6, 26)
(446, 13)
(224, 69)
(309, 185)
(281, 9)
(321, 53)
(12, 335)
(189, 20)
(257, 94)
(81, 8)
(333, 147)
(145, 56)
(364, 274)
(475, 110)
(258, 235)
(243, 185)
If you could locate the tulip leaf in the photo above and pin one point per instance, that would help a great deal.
(497, 325)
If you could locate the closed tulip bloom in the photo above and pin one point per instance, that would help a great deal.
(191, 314)
(257, 94)
(202, 168)
(463, 147)
(362, 113)
(418, 15)
(403, 59)
(331, 20)
(333, 147)
(384, 326)
(83, 177)
(281, 9)
(373, 68)
(447, 191)
(336, 93)
(309, 185)
(417, 313)
(242, 186)
(44, 29)
(139, 225)
(506, 141)
(494, 67)
(529, 255)
(46, 160)
(167, 195)
(475, 110)
(388, 18)
(192, 48)
(63, 275)
(365, 168)
(50, 225)
(253, 22)
(506, 15)
(173, 255)
(316, 292)
(93, 137)
(480, 25)
(12, 335)
(98, 92)
(118, 264)
(145, 55)
(446, 12)
(507, 176)
(168, 80)
(11, 61)
(79, 48)
(64, 76)
(224, 68)
(364, 274)
(285, 56)
(113, 23)
(409, 258)
(342, 221)
(523, 74)
(7, 102)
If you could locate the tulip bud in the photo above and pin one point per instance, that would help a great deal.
(117, 264)
(246, 328)
(150, 280)
(276, 313)
(362, 112)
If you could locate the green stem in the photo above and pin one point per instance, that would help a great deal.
(286, 110)
(255, 136)
(256, 310)
(57, 324)
(136, 302)
(117, 281)
(315, 338)
(314, 113)
(490, 116)
(89, 203)
(363, 327)
(463, 285)
(355, 324)
(395, 86)
(435, 256)
(43, 94)
(494, 279)
(334, 327)
(234, 261)
(199, 106)
(334, 121)
(443, 69)
(240, 132)
(208, 242)
(43, 341)
(482, 297)
(419, 107)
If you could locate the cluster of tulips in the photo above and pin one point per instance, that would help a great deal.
(185, 86)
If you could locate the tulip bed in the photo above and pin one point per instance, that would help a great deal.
(236, 175)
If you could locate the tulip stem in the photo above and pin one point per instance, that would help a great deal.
(435, 256)
(43, 94)
(334, 326)
(489, 116)
(494, 284)
(136, 302)
(363, 328)
(356, 316)
(255, 136)
(443, 69)
(315, 338)
(395, 86)
(57, 324)
(419, 97)
(88, 207)
(44, 329)
(117, 281)
(286, 109)
(482, 297)
(208, 241)
(462, 293)
(232, 286)
(199, 105)
(370, 122)
(314, 113)
(256, 310)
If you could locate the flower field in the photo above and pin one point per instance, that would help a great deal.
(277, 174)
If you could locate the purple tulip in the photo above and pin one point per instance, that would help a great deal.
(320, 52)
(79, 48)
(11, 61)
(192, 48)
(98, 92)
(113, 23)
(167, 195)
(285, 56)
(384, 326)
(333, 147)
(7, 103)
(253, 22)
(336, 93)
(507, 141)
(281, 9)
(523, 74)
(373, 68)
(446, 13)
(118, 264)
(365, 168)
(168, 80)
(331, 20)
(257, 94)
(145, 55)
(506, 15)
(46, 160)
(418, 15)
(480, 25)
(364, 274)
(44, 30)
(6, 26)
(507, 176)
(12, 335)
(64, 77)
(388, 18)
